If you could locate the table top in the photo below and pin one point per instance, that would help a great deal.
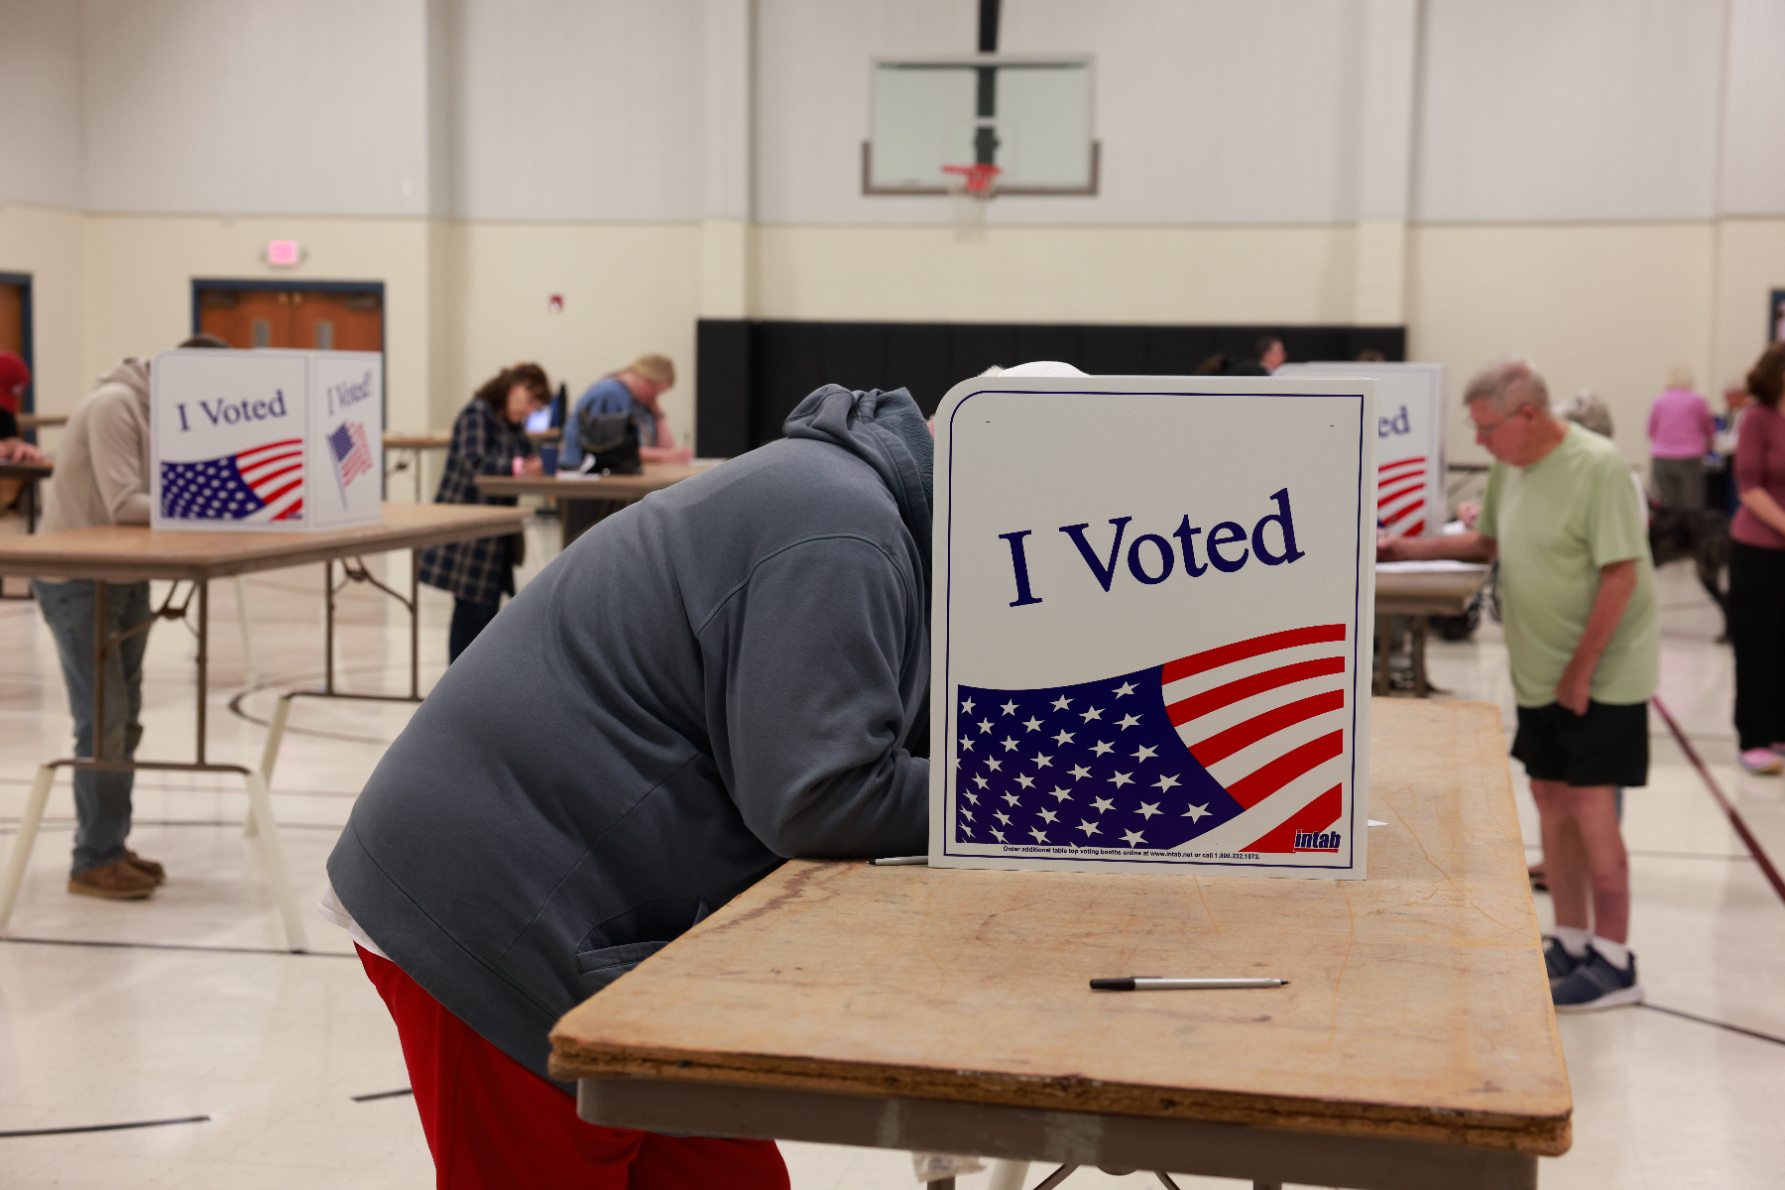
(131, 553)
(12, 470)
(1417, 1007)
(424, 440)
(657, 476)
(40, 421)
(1428, 592)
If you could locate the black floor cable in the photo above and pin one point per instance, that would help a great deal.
(382, 1095)
(105, 1127)
(1705, 1020)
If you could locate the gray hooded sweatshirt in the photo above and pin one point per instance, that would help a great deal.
(723, 676)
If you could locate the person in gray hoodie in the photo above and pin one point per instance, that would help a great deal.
(728, 674)
(102, 478)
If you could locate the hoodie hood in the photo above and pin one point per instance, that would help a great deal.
(133, 374)
(885, 430)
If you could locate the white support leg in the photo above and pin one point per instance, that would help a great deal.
(21, 846)
(260, 809)
(250, 670)
(1008, 1175)
(269, 755)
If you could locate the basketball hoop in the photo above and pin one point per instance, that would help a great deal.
(971, 187)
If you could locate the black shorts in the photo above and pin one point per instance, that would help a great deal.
(1609, 745)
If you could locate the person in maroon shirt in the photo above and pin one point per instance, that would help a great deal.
(1757, 570)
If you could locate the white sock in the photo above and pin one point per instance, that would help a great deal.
(1574, 940)
(1616, 953)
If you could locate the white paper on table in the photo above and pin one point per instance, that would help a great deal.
(1430, 566)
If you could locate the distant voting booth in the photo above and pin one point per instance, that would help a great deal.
(266, 440)
(1152, 624)
(1410, 439)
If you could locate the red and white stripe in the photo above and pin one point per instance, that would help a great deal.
(276, 473)
(1266, 717)
(1401, 496)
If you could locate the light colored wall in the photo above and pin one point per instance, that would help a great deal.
(256, 106)
(50, 244)
(1750, 263)
(1063, 274)
(41, 159)
(1606, 307)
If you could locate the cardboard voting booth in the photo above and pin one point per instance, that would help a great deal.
(1410, 438)
(1151, 627)
(266, 439)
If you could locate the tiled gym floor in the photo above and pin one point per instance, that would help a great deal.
(186, 1006)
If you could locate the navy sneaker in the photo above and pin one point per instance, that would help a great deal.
(1559, 963)
(1597, 984)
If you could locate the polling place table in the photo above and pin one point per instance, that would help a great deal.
(622, 488)
(1416, 595)
(28, 476)
(948, 1010)
(120, 553)
(413, 446)
(618, 489)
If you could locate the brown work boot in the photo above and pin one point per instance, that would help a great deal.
(147, 867)
(118, 881)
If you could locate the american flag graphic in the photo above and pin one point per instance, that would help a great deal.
(352, 458)
(262, 483)
(1401, 496)
(1235, 750)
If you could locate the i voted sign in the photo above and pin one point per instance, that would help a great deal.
(265, 439)
(1152, 624)
(1411, 499)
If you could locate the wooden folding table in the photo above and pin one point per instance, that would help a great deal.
(1416, 595)
(922, 1008)
(121, 553)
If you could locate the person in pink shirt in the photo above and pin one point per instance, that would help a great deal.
(1757, 570)
(1680, 433)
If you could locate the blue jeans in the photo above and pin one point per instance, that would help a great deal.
(101, 799)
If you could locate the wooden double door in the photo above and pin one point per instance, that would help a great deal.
(297, 317)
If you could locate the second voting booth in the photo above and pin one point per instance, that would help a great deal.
(1152, 624)
(266, 440)
(1410, 439)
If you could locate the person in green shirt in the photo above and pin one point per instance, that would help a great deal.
(1578, 590)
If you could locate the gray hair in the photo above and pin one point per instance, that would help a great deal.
(1587, 411)
(1495, 383)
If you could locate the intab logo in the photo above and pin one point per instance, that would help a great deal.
(1317, 840)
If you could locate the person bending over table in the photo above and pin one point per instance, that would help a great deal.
(727, 674)
(102, 478)
(488, 438)
(1578, 589)
(634, 389)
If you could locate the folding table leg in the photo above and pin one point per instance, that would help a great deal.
(21, 846)
(250, 670)
(260, 808)
(1008, 1175)
(269, 755)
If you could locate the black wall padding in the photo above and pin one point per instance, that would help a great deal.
(752, 374)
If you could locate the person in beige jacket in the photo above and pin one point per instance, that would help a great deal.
(102, 478)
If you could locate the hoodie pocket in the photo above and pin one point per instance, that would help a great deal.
(598, 968)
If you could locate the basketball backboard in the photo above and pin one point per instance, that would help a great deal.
(1029, 116)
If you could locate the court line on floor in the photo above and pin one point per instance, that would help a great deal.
(1705, 1020)
(1729, 811)
(298, 954)
(383, 1095)
(1740, 859)
(104, 1127)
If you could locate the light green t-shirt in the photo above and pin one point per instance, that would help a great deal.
(1557, 522)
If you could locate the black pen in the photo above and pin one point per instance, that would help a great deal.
(1159, 983)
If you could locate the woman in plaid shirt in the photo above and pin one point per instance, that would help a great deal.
(488, 438)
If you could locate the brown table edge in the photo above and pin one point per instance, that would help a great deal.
(269, 558)
(1537, 1136)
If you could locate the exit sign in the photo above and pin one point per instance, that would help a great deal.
(284, 252)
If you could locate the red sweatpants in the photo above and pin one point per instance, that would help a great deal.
(492, 1123)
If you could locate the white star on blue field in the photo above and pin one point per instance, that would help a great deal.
(1098, 764)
